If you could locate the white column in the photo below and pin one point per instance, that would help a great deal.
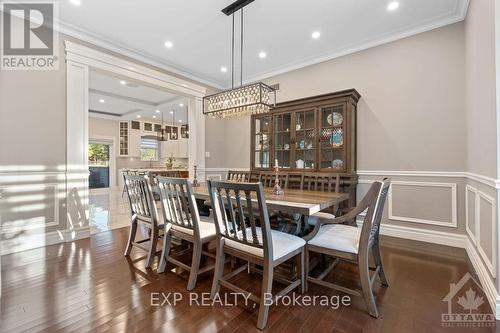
(196, 138)
(77, 188)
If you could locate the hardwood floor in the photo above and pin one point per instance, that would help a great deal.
(89, 285)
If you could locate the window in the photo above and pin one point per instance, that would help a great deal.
(149, 148)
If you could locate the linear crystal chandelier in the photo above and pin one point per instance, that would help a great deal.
(245, 100)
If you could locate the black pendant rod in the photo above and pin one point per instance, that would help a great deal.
(235, 6)
(232, 56)
(241, 50)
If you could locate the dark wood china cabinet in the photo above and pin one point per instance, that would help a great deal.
(314, 134)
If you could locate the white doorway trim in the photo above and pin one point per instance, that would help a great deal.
(79, 59)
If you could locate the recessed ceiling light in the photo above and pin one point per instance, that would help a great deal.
(393, 5)
(168, 44)
(157, 111)
(181, 104)
(180, 121)
(75, 2)
(102, 100)
(123, 82)
(316, 34)
(262, 54)
(154, 117)
(172, 112)
(138, 116)
(223, 69)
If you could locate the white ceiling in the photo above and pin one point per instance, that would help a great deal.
(200, 33)
(125, 102)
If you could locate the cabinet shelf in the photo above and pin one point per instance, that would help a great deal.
(282, 123)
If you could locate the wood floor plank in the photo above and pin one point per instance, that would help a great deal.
(89, 286)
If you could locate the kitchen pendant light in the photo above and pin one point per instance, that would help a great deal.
(245, 100)
(174, 134)
(162, 135)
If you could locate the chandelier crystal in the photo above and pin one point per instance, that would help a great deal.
(247, 100)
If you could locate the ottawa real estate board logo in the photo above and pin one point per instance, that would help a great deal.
(28, 38)
(467, 308)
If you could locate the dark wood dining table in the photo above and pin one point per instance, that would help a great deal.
(294, 201)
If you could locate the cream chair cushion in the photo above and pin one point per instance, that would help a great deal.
(338, 237)
(282, 243)
(207, 228)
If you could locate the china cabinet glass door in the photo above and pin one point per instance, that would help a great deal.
(262, 130)
(282, 140)
(304, 140)
(332, 155)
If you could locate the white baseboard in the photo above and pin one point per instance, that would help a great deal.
(23, 243)
(484, 277)
(454, 240)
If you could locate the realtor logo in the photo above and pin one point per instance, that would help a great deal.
(28, 38)
(464, 305)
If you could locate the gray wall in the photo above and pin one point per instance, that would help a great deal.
(480, 115)
(411, 114)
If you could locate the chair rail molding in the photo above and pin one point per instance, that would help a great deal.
(494, 183)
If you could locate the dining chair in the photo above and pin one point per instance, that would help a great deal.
(353, 244)
(326, 182)
(182, 220)
(238, 176)
(124, 190)
(267, 178)
(242, 238)
(143, 211)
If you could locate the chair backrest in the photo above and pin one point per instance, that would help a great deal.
(294, 180)
(241, 225)
(320, 182)
(238, 176)
(374, 200)
(178, 203)
(267, 178)
(254, 177)
(140, 196)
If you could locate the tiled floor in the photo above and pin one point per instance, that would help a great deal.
(108, 210)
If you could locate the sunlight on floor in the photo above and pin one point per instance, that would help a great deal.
(108, 210)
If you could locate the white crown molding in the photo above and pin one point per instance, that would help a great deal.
(94, 58)
(459, 14)
(100, 41)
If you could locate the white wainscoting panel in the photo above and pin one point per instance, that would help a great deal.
(478, 197)
(415, 219)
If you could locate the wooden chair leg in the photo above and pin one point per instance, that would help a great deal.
(306, 268)
(153, 241)
(378, 262)
(167, 241)
(267, 286)
(131, 236)
(251, 267)
(301, 270)
(219, 269)
(364, 275)
(195, 265)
